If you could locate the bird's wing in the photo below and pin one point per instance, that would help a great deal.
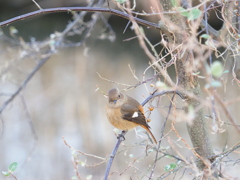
(132, 112)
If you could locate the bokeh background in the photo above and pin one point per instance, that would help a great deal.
(61, 100)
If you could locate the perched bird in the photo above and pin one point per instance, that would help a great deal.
(125, 113)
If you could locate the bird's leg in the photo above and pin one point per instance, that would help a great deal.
(121, 136)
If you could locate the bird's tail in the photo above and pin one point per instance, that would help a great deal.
(148, 130)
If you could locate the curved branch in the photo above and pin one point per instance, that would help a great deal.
(160, 94)
(88, 9)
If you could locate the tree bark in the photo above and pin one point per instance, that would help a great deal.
(179, 32)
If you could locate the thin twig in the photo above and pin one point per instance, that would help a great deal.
(169, 173)
(2, 129)
(39, 7)
(13, 176)
(162, 130)
(238, 17)
(75, 166)
(105, 79)
(214, 114)
(160, 94)
(24, 83)
(188, 146)
(142, 39)
(228, 114)
(128, 85)
(171, 155)
(34, 133)
(218, 157)
(80, 152)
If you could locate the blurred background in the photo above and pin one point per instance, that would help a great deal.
(61, 99)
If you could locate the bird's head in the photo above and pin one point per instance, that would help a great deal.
(114, 96)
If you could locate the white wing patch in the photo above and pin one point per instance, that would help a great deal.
(135, 114)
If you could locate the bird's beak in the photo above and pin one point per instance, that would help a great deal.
(115, 101)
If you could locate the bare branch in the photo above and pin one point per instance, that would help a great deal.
(218, 99)
(217, 158)
(33, 131)
(39, 7)
(80, 152)
(120, 139)
(162, 130)
(24, 83)
(160, 94)
(88, 9)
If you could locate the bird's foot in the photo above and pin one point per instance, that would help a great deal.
(121, 136)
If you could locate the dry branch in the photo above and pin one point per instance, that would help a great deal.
(78, 9)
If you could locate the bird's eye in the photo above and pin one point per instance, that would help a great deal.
(119, 95)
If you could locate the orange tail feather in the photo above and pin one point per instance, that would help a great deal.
(148, 130)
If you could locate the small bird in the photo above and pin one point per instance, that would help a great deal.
(125, 113)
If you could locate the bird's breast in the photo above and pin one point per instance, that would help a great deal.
(114, 116)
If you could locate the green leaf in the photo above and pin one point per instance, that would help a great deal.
(131, 155)
(13, 30)
(216, 84)
(183, 11)
(216, 69)
(213, 84)
(168, 156)
(167, 168)
(205, 36)
(210, 43)
(161, 85)
(121, 1)
(89, 177)
(82, 163)
(170, 167)
(191, 112)
(173, 166)
(12, 167)
(226, 71)
(150, 150)
(5, 173)
(174, 3)
(194, 14)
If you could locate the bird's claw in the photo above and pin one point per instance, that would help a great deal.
(121, 136)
